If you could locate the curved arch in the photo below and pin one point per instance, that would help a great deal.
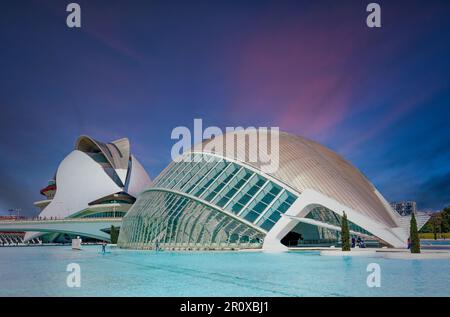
(309, 200)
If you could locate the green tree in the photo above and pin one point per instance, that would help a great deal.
(445, 220)
(435, 229)
(114, 234)
(345, 233)
(439, 222)
(414, 235)
(436, 223)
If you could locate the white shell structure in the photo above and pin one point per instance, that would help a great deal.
(250, 189)
(90, 172)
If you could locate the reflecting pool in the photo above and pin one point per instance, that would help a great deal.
(41, 271)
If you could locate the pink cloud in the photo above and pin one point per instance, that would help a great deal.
(308, 75)
(295, 77)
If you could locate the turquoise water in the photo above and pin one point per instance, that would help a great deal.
(41, 271)
(435, 242)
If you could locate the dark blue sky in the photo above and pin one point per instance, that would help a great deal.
(379, 97)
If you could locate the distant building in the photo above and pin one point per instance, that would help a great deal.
(404, 208)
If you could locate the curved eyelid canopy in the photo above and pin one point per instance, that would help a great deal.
(116, 152)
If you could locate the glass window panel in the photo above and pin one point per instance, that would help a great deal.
(283, 207)
(251, 216)
(260, 182)
(267, 225)
(290, 199)
(275, 190)
(236, 208)
(268, 198)
(221, 181)
(260, 207)
(222, 201)
(275, 216)
(231, 192)
(211, 178)
(253, 190)
(207, 167)
(244, 199)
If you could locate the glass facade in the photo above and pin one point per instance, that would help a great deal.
(325, 215)
(229, 187)
(208, 202)
(305, 234)
(106, 214)
(172, 221)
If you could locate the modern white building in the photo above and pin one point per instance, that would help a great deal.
(95, 180)
(214, 199)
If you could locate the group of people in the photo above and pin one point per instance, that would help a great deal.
(358, 242)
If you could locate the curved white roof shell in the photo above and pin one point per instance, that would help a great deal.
(116, 152)
(79, 180)
(319, 176)
(305, 164)
(138, 179)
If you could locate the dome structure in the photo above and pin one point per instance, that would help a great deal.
(259, 189)
(95, 180)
